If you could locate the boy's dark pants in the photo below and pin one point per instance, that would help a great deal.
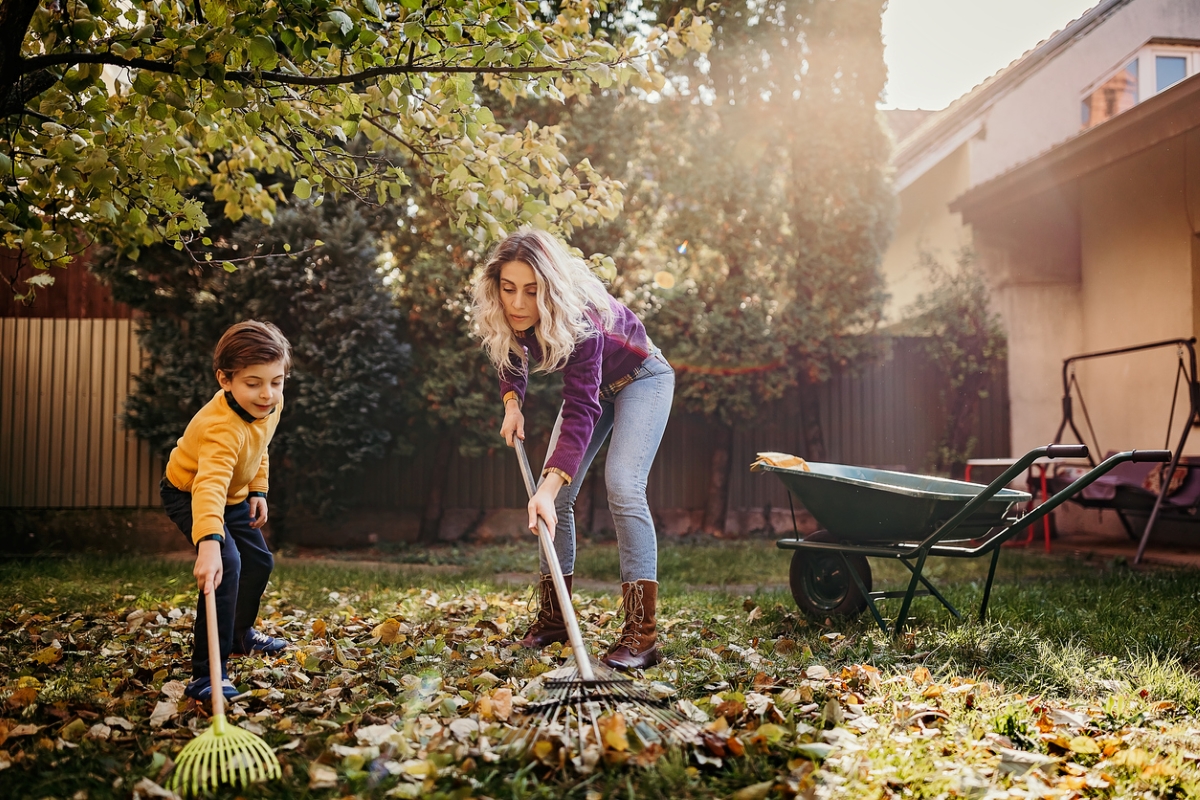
(247, 565)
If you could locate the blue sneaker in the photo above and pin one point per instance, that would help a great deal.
(258, 642)
(201, 689)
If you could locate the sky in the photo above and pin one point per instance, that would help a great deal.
(938, 50)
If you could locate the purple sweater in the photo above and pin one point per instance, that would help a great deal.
(596, 362)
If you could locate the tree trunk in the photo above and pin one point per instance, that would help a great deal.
(431, 518)
(810, 422)
(718, 482)
(15, 16)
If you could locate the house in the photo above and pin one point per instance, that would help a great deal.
(1074, 176)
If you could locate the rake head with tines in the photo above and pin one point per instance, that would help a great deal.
(572, 700)
(223, 754)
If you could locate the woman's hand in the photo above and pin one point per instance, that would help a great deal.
(258, 512)
(542, 503)
(208, 569)
(514, 423)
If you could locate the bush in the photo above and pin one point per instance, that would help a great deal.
(343, 403)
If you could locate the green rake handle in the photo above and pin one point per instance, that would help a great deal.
(556, 574)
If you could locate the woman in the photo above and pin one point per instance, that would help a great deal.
(535, 303)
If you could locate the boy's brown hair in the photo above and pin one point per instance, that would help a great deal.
(248, 343)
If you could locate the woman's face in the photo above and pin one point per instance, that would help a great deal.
(518, 295)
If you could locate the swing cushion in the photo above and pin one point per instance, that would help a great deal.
(1124, 487)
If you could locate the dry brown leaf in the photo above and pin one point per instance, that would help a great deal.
(921, 676)
(388, 632)
(612, 732)
(23, 697)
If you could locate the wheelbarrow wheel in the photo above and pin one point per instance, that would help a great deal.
(822, 586)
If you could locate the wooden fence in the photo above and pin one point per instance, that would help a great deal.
(63, 383)
(888, 415)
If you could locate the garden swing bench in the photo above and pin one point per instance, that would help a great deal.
(1123, 489)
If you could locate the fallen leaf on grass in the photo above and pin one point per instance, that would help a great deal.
(756, 791)
(322, 777)
(1019, 761)
(146, 789)
(163, 712)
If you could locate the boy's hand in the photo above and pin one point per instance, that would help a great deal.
(209, 569)
(258, 512)
(514, 423)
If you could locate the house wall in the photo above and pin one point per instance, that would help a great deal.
(1137, 286)
(925, 222)
(1044, 109)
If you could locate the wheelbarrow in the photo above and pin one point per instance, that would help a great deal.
(874, 513)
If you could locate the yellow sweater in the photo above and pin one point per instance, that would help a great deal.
(220, 459)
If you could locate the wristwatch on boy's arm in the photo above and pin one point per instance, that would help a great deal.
(211, 537)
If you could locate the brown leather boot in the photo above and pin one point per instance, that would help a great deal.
(549, 627)
(638, 646)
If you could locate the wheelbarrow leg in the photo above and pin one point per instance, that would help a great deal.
(987, 587)
(908, 597)
(933, 591)
(866, 593)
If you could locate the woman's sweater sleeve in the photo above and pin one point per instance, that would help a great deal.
(514, 379)
(580, 408)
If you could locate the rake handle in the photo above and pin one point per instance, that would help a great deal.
(556, 573)
(214, 654)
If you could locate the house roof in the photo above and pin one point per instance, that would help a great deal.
(1166, 115)
(964, 112)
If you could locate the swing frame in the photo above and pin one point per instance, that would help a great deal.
(1184, 371)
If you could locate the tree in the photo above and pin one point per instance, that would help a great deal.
(767, 170)
(965, 341)
(112, 111)
(343, 398)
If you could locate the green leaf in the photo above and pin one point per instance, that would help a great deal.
(342, 20)
(817, 751)
(229, 266)
(262, 51)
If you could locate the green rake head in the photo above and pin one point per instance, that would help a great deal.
(223, 754)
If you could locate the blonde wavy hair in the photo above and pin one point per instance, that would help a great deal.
(570, 299)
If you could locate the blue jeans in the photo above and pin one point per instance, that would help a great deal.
(247, 565)
(636, 416)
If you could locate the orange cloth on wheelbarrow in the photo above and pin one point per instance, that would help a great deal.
(784, 460)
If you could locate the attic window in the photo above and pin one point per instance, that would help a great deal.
(1168, 71)
(1118, 93)
(1156, 67)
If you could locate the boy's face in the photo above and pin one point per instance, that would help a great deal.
(257, 388)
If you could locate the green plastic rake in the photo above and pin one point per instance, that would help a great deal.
(224, 753)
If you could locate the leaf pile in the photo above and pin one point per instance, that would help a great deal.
(411, 693)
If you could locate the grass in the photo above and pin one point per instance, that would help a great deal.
(1123, 644)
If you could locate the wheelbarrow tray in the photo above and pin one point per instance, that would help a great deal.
(859, 504)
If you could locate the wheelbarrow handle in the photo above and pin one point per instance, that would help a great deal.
(1066, 451)
(1159, 456)
(582, 660)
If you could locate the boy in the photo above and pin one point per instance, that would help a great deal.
(215, 490)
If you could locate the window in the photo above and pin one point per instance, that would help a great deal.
(1118, 93)
(1155, 67)
(1168, 71)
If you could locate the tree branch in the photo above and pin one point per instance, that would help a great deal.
(28, 65)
